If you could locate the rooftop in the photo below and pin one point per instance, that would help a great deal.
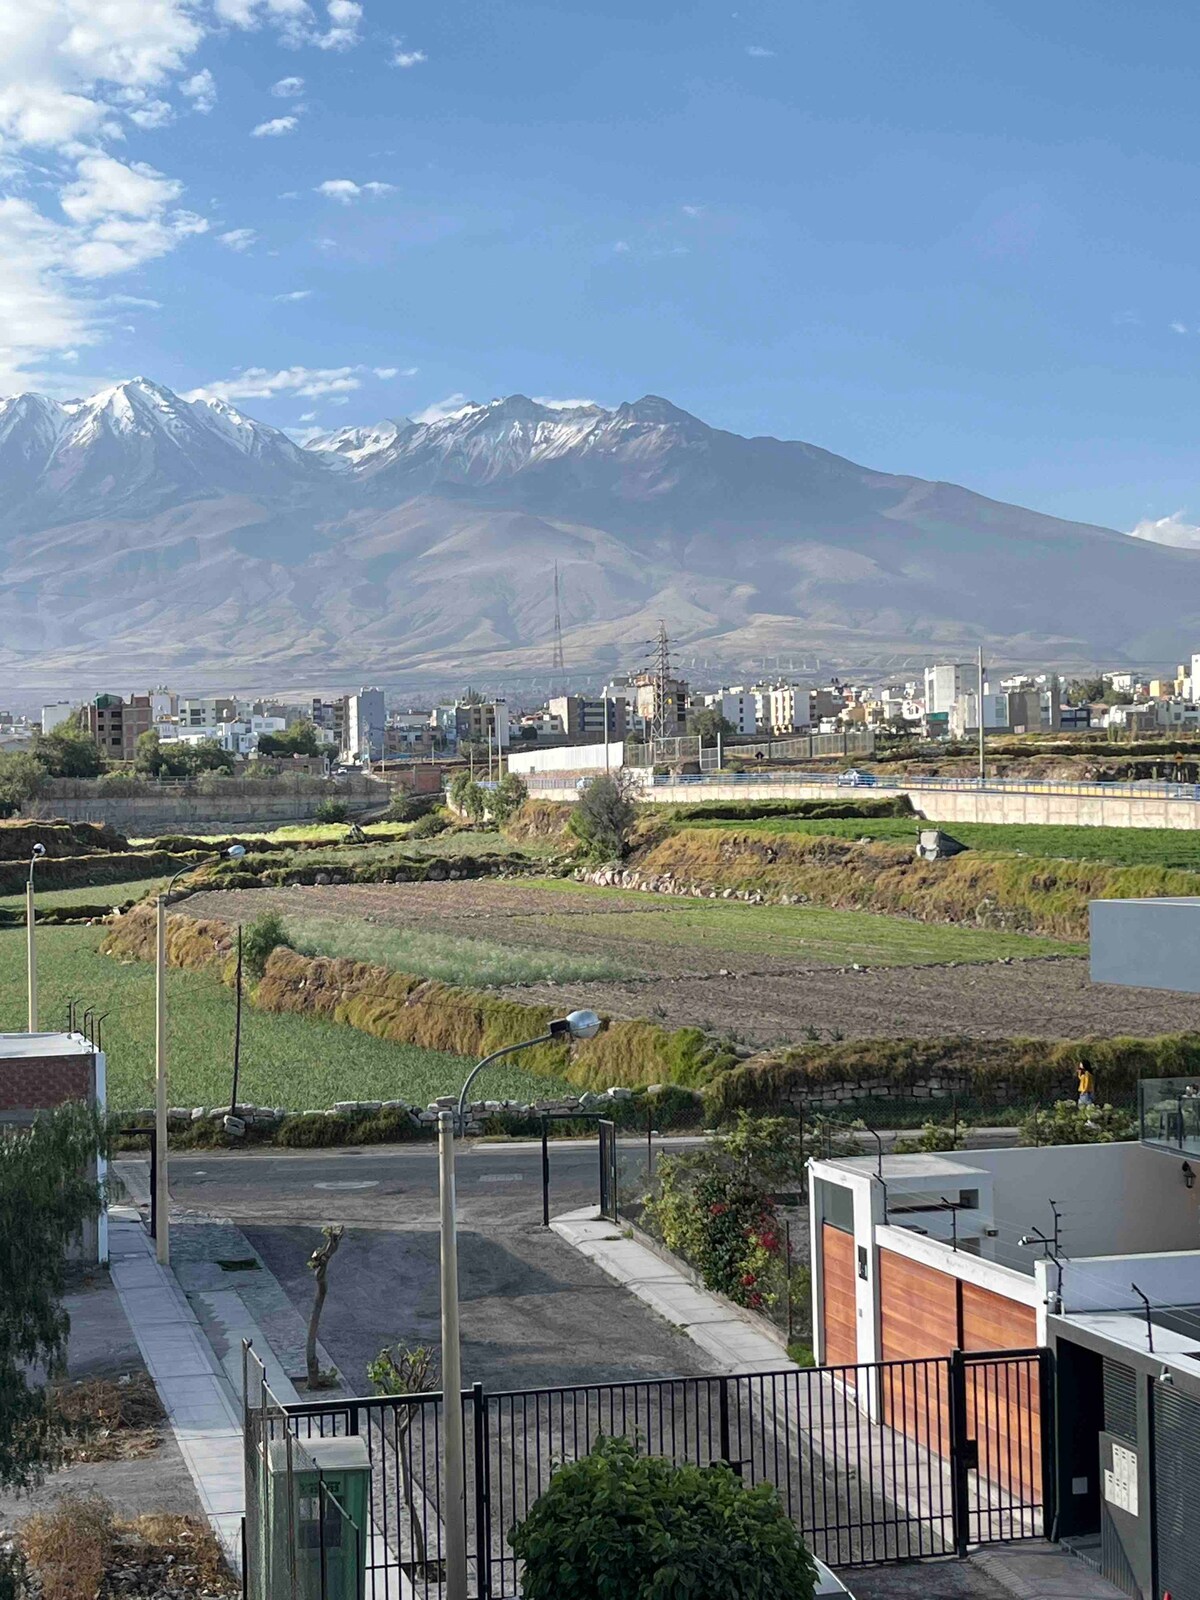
(24, 1046)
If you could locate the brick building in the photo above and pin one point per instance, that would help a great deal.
(117, 724)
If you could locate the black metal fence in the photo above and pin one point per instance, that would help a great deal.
(873, 1463)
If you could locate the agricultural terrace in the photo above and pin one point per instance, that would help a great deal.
(765, 974)
(1124, 847)
(290, 1060)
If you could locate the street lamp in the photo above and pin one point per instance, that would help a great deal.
(576, 1025)
(162, 1201)
(35, 855)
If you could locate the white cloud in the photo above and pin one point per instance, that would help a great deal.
(408, 58)
(106, 186)
(287, 88)
(292, 295)
(347, 191)
(308, 416)
(136, 300)
(153, 114)
(385, 372)
(1172, 530)
(693, 211)
(201, 90)
(759, 52)
(621, 248)
(343, 32)
(452, 406)
(275, 128)
(1179, 327)
(238, 238)
(257, 383)
(561, 405)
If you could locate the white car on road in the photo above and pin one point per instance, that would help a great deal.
(828, 1583)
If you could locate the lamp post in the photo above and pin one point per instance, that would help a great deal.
(35, 855)
(162, 1199)
(577, 1025)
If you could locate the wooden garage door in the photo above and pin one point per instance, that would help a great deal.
(918, 1309)
(1004, 1402)
(838, 1300)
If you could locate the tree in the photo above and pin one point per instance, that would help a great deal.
(20, 778)
(507, 798)
(265, 934)
(618, 1523)
(710, 723)
(468, 797)
(604, 815)
(1086, 691)
(397, 1370)
(299, 740)
(66, 753)
(46, 1196)
(318, 1264)
(331, 810)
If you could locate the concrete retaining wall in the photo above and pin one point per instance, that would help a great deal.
(144, 816)
(1063, 807)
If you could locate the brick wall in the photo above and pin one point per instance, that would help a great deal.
(42, 1082)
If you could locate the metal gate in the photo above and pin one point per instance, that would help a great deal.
(608, 1170)
(873, 1463)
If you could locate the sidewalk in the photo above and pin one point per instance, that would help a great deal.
(200, 1404)
(731, 1343)
(1037, 1571)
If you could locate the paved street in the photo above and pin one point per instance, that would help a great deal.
(534, 1312)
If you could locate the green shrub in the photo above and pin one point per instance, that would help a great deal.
(409, 807)
(430, 825)
(313, 1132)
(1071, 1123)
(605, 814)
(330, 810)
(618, 1524)
(265, 934)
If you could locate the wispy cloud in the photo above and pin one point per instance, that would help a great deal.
(621, 247)
(1179, 327)
(408, 58)
(275, 128)
(152, 114)
(452, 406)
(561, 405)
(385, 372)
(759, 52)
(238, 238)
(693, 211)
(292, 295)
(258, 383)
(287, 88)
(347, 191)
(1172, 530)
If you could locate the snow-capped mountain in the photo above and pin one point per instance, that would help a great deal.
(154, 537)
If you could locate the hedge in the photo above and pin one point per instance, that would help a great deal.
(753, 810)
(1006, 1071)
(75, 872)
(408, 1009)
(58, 839)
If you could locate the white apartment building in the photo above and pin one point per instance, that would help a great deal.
(366, 720)
(964, 714)
(739, 707)
(55, 713)
(947, 682)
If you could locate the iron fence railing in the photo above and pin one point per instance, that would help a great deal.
(873, 1463)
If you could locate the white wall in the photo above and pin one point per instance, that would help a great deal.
(569, 758)
(1105, 1283)
(1147, 944)
(1115, 1199)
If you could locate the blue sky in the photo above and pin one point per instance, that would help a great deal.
(953, 239)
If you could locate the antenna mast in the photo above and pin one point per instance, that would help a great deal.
(662, 676)
(559, 670)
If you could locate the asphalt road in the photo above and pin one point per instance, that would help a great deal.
(534, 1312)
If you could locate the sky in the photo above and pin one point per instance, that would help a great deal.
(957, 238)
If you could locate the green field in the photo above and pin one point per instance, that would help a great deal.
(803, 933)
(452, 958)
(103, 894)
(1123, 847)
(290, 1061)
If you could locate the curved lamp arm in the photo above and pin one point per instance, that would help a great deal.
(508, 1050)
(234, 853)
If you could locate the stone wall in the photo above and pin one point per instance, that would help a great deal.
(189, 809)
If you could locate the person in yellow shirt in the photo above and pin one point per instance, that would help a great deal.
(1087, 1084)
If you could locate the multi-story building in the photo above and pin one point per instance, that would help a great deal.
(949, 681)
(485, 721)
(793, 707)
(664, 701)
(116, 724)
(590, 717)
(55, 713)
(204, 712)
(366, 720)
(408, 733)
(964, 714)
(739, 707)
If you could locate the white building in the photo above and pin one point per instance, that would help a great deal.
(964, 714)
(947, 682)
(53, 714)
(739, 707)
(366, 720)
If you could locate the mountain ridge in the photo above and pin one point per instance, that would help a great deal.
(147, 532)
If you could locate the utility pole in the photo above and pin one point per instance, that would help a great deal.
(982, 768)
(662, 676)
(454, 1483)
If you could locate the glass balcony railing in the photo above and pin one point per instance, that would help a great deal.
(1169, 1113)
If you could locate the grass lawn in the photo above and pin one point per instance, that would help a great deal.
(801, 933)
(1124, 847)
(289, 1061)
(100, 894)
(453, 958)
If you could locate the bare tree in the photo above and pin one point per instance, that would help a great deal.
(318, 1265)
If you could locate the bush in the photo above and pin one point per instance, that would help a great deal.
(331, 810)
(1070, 1123)
(430, 825)
(604, 815)
(618, 1523)
(507, 798)
(409, 807)
(265, 934)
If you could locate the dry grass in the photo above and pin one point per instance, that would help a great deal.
(109, 1420)
(80, 1550)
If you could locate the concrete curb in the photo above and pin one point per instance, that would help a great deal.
(729, 1342)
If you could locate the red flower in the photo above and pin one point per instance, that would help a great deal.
(747, 1279)
(718, 1209)
(768, 1241)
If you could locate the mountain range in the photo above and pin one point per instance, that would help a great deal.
(146, 537)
